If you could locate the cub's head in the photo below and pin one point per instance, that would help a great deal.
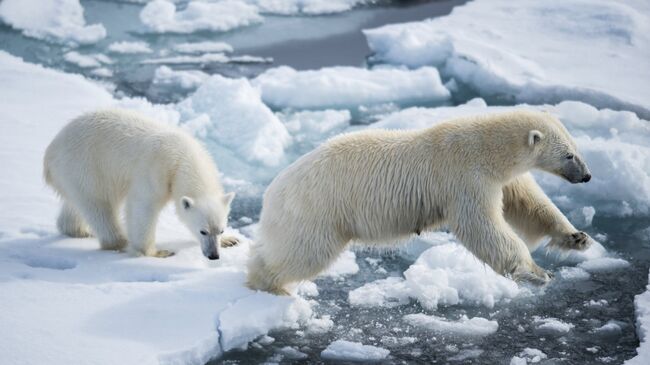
(206, 217)
(554, 151)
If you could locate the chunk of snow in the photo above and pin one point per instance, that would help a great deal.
(346, 87)
(61, 21)
(509, 52)
(342, 350)
(604, 264)
(230, 104)
(162, 16)
(642, 311)
(186, 80)
(345, 264)
(551, 326)
(447, 274)
(129, 47)
(203, 47)
(465, 327)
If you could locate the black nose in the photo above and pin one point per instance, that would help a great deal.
(586, 178)
(214, 256)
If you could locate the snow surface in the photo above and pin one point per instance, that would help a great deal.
(342, 350)
(533, 51)
(60, 21)
(78, 302)
(341, 87)
(129, 47)
(464, 327)
(162, 16)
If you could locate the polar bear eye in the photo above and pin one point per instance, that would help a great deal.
(569, 156)
(203, 232)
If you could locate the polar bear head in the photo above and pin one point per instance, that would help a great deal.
(206, 217)
(556, 152)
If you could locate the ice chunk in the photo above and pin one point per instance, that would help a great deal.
(465, 327)
(604, 264)
(202, 59)
(345, 264)
(528, 356)
(56, 20)
(186, 80)
(342, 350)
(348, 87)
(551, 326)
(312, 7)
(86, 61)
(162, 16)
(509, 53)
(230, 104)
(389, 292)
(129, 47)
(582, 217)
(642, 310)
(203, 47)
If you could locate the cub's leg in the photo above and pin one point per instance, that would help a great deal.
(533, 216)
(70, 222)
(142, 210)
(101, 216)
(228, 241)
(482, 229)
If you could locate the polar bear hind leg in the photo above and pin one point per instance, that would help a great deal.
(71, 224)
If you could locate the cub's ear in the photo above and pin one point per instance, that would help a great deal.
(187, 202)
(227, 198)
(534, 137)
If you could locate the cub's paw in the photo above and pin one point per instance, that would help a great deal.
(228, 241)
(573, 241)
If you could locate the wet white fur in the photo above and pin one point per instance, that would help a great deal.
(379, 186)
(105, 158)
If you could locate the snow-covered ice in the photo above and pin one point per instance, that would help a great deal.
(186, 80)
(604, 264)
(129, 47)
(528, 356)
(464, 327)
(532, 51)
(162, 16)
(551, 326)
(342, 350)
(203, 47)
(311, 7)
(642, 306)
(86, 60)
(55, 20)
(347, 87)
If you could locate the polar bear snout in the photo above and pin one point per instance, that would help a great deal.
(575, 170)
(210, 247)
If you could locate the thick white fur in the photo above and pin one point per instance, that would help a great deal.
(469, 174)
(104, 158)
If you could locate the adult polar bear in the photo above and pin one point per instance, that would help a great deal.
(470, 174)
(102, 158)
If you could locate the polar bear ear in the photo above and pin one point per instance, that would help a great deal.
(534, 137)
(187, 202)
(227, 198)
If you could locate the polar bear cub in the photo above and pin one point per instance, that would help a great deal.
(469, 174)
(105, 158)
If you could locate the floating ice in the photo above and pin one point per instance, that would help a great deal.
(186, 80)
(129, 47)
(582, 217)
(551, 326)
(528, 356)
(202, 59)
(465, 327)
(604, 264)
(345, 264)
(486, 46)
(203, 47)
(642, 309)
(162, 16)
(342, 350)
(86, 61)
(348, 87)
(312, 7)
(56, 20)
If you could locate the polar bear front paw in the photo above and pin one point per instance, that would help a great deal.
(228, 241)
(573, 241)
(163, 253)
(534, 275)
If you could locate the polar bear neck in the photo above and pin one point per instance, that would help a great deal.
(196, 173)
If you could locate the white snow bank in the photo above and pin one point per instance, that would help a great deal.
(532, 51)
(551, 326)
(311, 7)
(613, 143)
(642, 306)
(129, 47)
(232, 113)
(162, 16)
(78, 302)
(203, 47)
(464, 327)
(55, 20)
(446, 274)
(345, 87)
(342, 350)
(186, 80)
